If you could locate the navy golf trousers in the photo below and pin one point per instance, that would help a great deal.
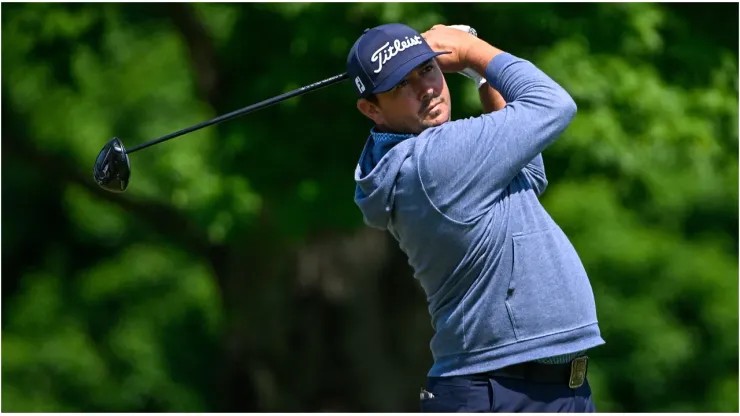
(491, 393)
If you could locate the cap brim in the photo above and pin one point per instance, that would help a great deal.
(402, 71)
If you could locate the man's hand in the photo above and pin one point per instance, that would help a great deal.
(467, 51)
(442, 38)
(470, 72)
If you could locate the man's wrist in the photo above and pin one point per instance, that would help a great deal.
(478, 54)
(464, 52)
(470, 74)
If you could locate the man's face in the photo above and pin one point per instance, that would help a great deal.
(420, 101)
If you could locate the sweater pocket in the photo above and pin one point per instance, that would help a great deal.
(549, 291)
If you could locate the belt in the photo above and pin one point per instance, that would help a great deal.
(574, 373)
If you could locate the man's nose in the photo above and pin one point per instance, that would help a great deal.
(425, 90)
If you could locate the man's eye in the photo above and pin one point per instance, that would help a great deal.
(401, 84)
(428, 68)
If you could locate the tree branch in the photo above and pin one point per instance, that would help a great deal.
(202, 51)
(162, 218)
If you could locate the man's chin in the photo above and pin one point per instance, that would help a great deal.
(437, 120)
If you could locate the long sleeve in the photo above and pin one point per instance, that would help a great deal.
(466, 164)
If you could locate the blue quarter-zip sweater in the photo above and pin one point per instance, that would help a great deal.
(504, 284)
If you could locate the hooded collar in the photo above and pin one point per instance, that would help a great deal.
(378, 145)
(376, 174)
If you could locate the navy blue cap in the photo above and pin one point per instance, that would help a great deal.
(383, 56)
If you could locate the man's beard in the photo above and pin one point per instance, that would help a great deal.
(429, 103)
(427, 123)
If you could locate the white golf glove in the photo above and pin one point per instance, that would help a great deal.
(469, 72)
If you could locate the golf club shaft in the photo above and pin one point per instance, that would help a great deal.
(274, 100)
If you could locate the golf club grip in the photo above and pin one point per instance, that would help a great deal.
(274, 100)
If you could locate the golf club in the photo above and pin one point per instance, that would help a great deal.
(112, 169)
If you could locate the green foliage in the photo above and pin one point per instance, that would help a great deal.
(235, 273)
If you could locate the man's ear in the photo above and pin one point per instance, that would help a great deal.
(370, 110)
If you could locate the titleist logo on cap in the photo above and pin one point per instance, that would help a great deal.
(386, 52)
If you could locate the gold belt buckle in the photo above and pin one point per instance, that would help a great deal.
(578, 368)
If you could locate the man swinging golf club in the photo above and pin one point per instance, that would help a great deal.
(510, 302)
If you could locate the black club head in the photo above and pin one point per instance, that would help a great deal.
(112, 169)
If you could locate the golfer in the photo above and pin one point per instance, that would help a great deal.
(510, 302)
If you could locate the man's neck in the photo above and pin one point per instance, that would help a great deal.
(384, 129)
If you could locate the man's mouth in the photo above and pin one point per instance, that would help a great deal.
(431, 107)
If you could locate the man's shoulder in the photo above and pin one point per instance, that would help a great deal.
(439, 145)
(451, 134)
(449, 127)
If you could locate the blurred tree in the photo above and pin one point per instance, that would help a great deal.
(235, 273)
